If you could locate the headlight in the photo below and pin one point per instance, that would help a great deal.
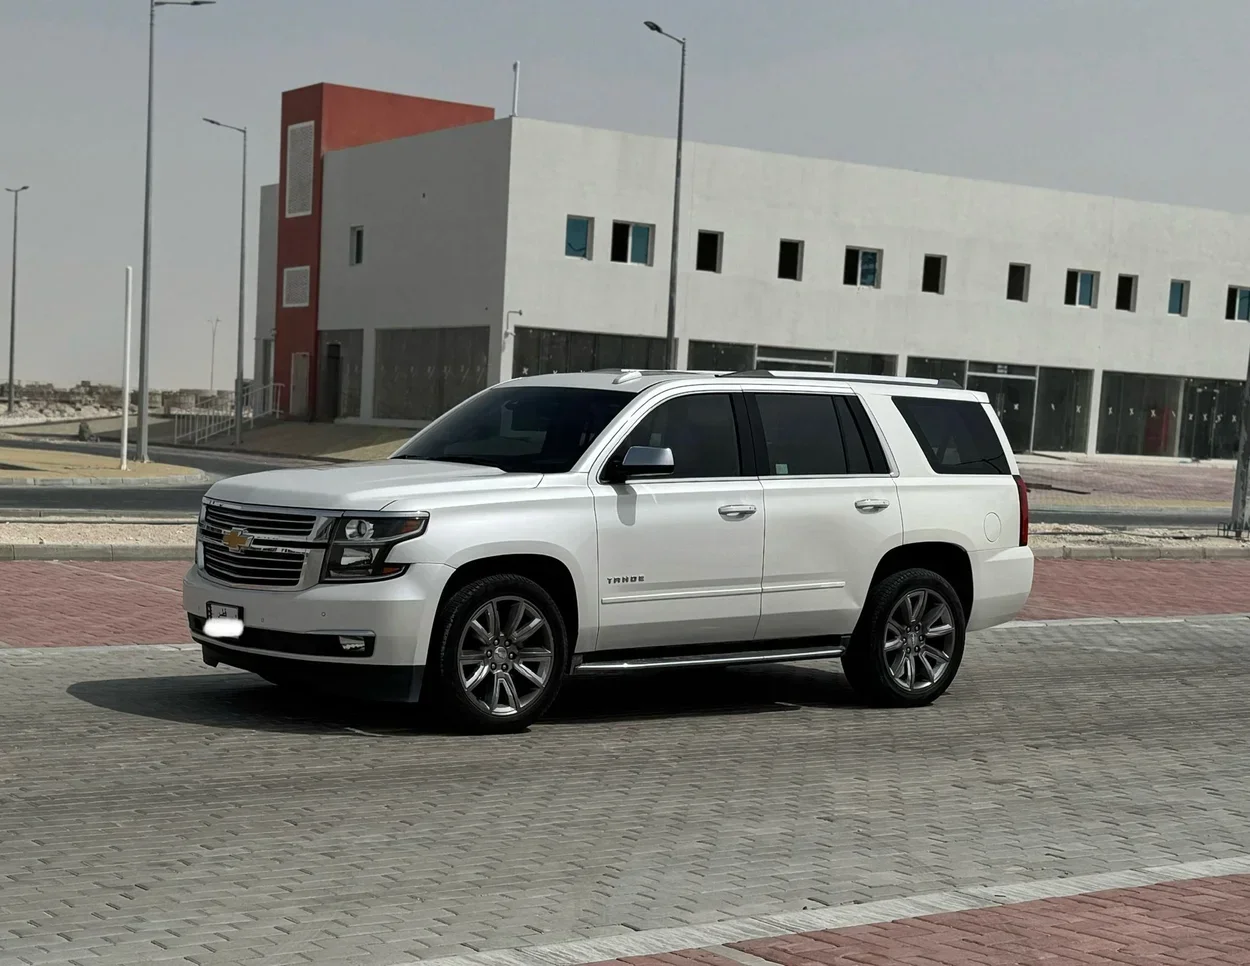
(360, 545)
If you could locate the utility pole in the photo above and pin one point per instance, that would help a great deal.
(16, 192)
(671, 328)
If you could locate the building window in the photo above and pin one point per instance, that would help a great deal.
(1081, 289)
(631, 242)
(1178, 297)
(296, 287)
(790, 260)
(867, 364)
(1017, 282)
(1126, 293)
(356, 254)
(720, 356)
(578, 236)
(793, 360)
(539, 351)
(707, 252)
(862, 267)
(301, 149)
(933, 278)
(1238, 304)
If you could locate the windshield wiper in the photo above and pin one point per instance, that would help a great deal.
(469, 460)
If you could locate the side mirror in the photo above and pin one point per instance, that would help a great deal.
(640, 462)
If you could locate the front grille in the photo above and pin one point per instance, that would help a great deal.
(260, 520)
(254, 566)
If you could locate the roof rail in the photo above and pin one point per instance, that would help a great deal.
(840, 377)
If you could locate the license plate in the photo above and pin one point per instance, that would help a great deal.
(224, 612)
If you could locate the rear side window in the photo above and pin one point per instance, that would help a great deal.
(814, 434)
(955, 434)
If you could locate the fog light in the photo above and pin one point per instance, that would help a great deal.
(351, 645)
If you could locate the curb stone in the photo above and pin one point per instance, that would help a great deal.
(1231, 552)
(94, 553)
(182, 480)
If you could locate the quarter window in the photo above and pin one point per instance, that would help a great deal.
(955, 434)
(701, 431)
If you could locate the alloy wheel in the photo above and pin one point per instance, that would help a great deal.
(919, 640)
(505, 656)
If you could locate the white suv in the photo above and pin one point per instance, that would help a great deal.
(600, 522)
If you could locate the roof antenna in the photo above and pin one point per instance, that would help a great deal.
(516, 85)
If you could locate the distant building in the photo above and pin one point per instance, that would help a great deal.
(416, 251)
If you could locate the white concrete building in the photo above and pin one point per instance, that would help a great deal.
(454, 258)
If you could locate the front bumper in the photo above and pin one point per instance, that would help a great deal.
(292, 635)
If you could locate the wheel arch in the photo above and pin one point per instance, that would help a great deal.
(550, 572)
(949, 560)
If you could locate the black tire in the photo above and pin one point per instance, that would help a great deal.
(870, 662)
(468, 708)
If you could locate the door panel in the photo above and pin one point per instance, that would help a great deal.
(674, 569)
(820, 551)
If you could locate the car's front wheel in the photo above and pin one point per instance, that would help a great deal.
(909, 642)
(502, 647)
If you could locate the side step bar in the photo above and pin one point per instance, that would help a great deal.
(660, 661)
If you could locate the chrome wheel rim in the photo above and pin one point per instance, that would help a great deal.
(919, 640)
(505, 656)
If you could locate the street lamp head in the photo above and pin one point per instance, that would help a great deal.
(209, 120)
(18, 191)
(653, 26)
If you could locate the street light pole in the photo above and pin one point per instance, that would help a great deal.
(671, 336)
(16, 192)
(145, 286)
(238, 378)
(212, 358)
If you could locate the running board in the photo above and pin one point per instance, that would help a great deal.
(657, 662)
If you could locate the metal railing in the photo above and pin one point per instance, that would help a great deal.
(198, 425)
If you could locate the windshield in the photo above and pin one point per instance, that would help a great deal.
(519, 429)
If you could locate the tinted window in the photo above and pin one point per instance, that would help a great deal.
(699, 429)
(956, 435)
(801, 435)
(520, 429)
(864, 454)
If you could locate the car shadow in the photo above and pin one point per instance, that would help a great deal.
(238, 700)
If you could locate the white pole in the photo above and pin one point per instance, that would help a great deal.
(126, 372)
(516, 85)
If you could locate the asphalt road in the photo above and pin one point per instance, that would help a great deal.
(153, 809)
(186, 499)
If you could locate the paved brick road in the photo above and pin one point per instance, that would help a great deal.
(153, 809)
(1127, 484)
(61, 604)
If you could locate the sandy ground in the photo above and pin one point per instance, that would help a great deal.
(18, 463)
(98, 534)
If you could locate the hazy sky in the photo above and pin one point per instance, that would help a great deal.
(1144, 98)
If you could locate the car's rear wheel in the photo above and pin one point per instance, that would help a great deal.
(909, 643)
(502, 647)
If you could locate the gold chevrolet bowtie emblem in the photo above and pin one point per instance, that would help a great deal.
(236, 540)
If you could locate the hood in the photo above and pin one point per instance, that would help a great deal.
(364, 486)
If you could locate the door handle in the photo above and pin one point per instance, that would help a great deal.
(871, 506)
(736, 510)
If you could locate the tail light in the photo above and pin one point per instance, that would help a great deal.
(1022, 489)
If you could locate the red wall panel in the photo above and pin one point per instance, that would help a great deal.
(345, 117)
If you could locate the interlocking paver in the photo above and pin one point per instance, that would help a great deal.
(147, 797)
(1133, 588)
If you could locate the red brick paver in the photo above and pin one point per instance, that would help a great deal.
(45, 604)
(1199, 920)
(1131, 588)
